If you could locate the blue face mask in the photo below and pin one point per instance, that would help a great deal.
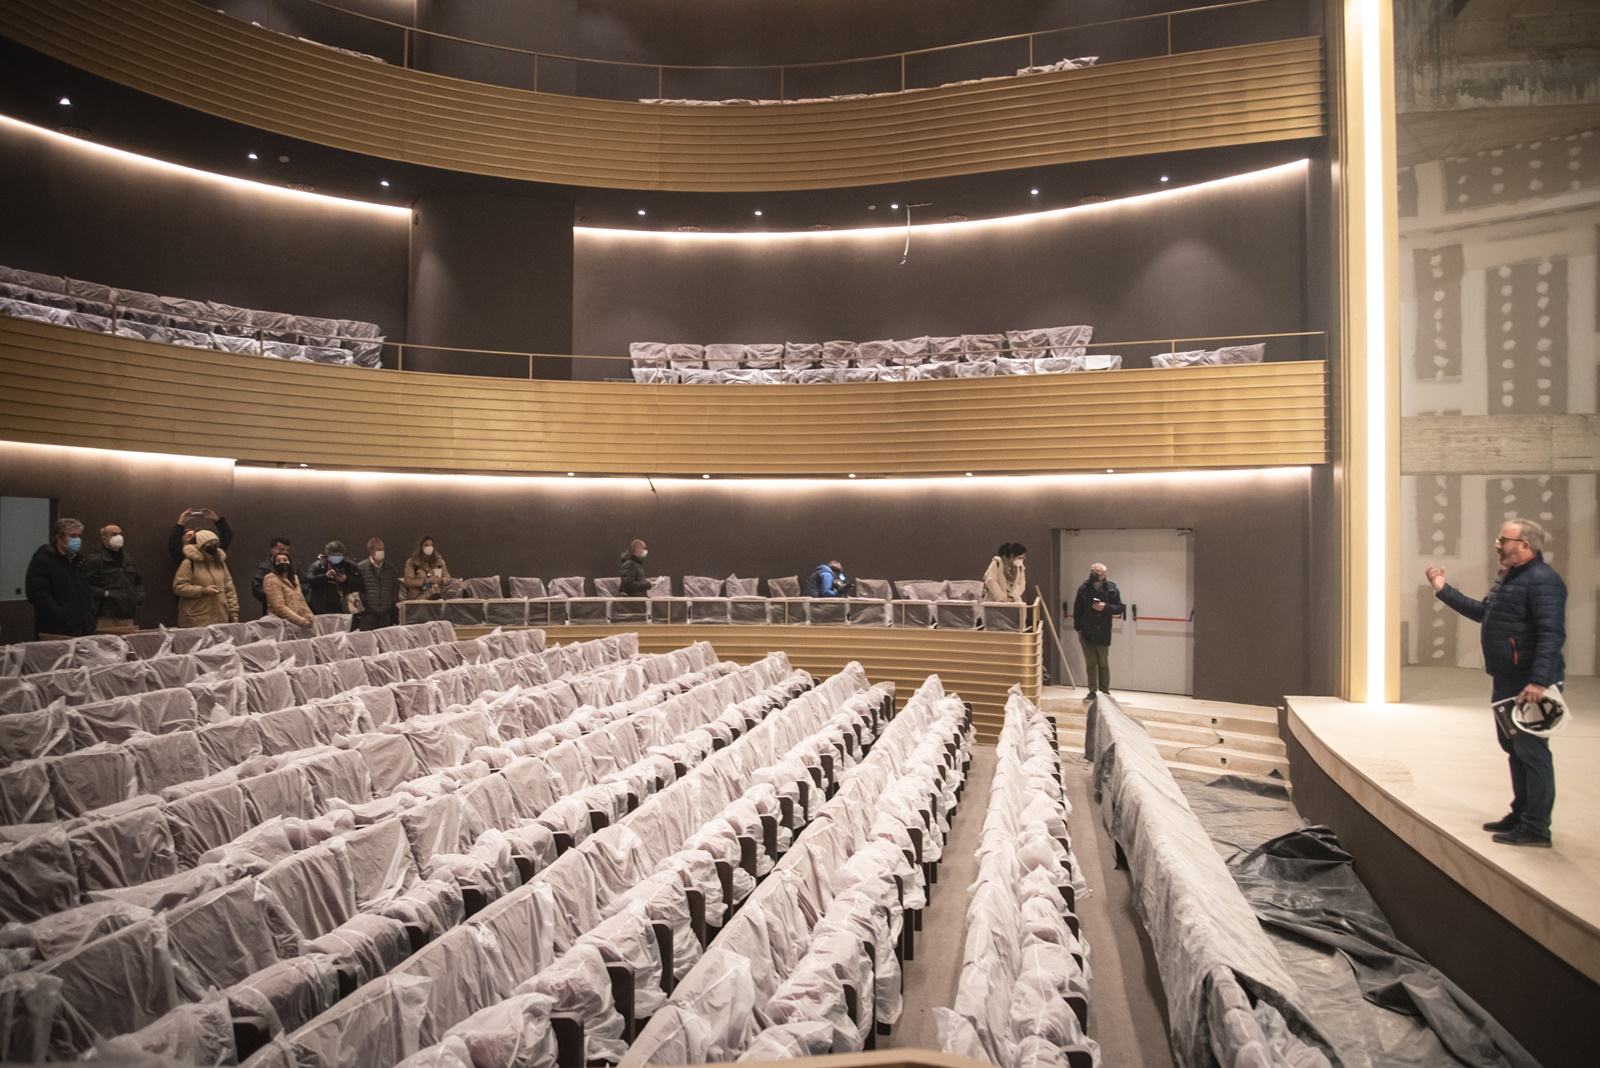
(335, 559)
(74, 544)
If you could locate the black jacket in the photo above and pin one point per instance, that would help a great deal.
(58, 588)
(324, 593)
(119, 591)
(1096, 626)
(1524, 617)
(380, 590)
(634, 583)
(221, 528)
(258, 591)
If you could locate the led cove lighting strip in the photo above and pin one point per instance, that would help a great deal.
(1377, 399)
(321, 200)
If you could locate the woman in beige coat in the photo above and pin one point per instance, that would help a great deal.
(1006, 579)
(426, 576)
(203, 585)
(282, 589)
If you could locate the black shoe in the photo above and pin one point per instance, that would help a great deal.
(1504, 823)
(1521, 836)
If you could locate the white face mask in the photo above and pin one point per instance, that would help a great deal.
(427, 550)
(115, 541)
(643, 553)
(377, 557)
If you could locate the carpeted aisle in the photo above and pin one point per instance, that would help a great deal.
(1127, 1010)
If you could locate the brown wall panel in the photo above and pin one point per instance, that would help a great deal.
(1251, 530)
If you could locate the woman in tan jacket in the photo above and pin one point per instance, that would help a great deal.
(203, 585)
(1006, 579)
(426, 575)
(282, 588)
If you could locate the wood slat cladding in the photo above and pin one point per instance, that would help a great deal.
(980, 666)
(72, 387)
(188, 54)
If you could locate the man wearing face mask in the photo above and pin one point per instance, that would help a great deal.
(634, 582)
(331, 579)
(380, 588)
(58, 586)
(1098, 602)
(203, 585)
(118, 589)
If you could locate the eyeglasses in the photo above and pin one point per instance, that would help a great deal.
(1505, 541)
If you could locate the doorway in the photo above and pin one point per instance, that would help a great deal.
(1152, 644)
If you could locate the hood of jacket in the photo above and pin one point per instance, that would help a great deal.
(195, 550)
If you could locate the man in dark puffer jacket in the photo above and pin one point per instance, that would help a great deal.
(1524, 627)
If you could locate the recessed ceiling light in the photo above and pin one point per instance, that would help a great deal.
(571, 473)
(641, 211)
(65, 102)
(283, 159)
(1033, 192)
(969, 474)
(384, 182)
(894, 207)
(852, 475)
(758, 211)
(872, 207)
(705, 476)
(1164, 178)
(1110, 471)
(252, 155)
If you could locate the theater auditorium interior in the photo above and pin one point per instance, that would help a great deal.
(1265, 306)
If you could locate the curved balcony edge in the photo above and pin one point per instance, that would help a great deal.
(70, 387)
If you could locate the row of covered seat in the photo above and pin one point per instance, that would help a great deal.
(491, 587)
(1042, 350)
(217, 668)
(588, 944)
(195, 323)
(816, 611)
(1023, 996)
(811, 964)
(455, 826)
(104, 650)
(1076, 63)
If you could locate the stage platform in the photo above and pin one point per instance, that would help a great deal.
(1428, 769)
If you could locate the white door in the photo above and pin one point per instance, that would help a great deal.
(1152, 646)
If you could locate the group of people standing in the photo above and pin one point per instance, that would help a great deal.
(75, 591)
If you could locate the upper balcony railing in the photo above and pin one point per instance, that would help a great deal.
(1163, 33)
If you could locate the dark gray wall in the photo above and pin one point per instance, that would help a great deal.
(491, 272)
(1249, 647)
(1226, 258)
(71, 210)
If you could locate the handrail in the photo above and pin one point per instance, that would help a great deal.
(409, 51)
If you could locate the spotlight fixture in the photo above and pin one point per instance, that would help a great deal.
(384, 182)
(758, 211)
(894, 207)
(969, 474)
(689, 228)
(571, 473)
(65, 102)
(955, 218)
(641, 211)
(819, 227)
(1110, 471)
(1033, 192)
(705, 476)
(1164, 178)
(851, 475)
(1092, 198)
(251, 155)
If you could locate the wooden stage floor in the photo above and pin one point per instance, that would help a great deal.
(1430, 770)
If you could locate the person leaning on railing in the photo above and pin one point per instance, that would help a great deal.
(427, 575)
(1007, 579)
